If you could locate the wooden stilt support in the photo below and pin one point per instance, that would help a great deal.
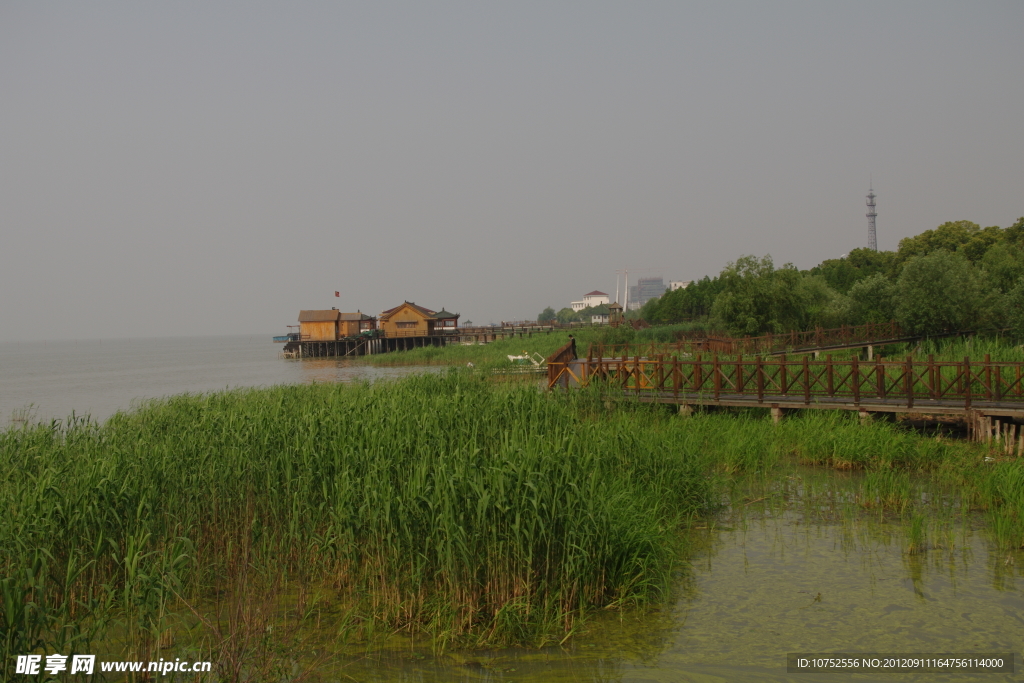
(865, 417)
(776, 413)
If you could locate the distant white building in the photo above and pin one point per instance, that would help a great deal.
(594, 298)
(599, 319)
(678, 284)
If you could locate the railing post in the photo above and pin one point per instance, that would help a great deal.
(807, 380)
(988, 377)
(879, 377)
(739, 373)
(830, 376)
(784, 380)
(999, 383)
(760, 380)
(716, 375)
(855, 379)
(933, 388)
(908, 380)
(966, 374)
(675, 377)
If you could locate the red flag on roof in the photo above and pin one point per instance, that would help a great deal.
(337, 294)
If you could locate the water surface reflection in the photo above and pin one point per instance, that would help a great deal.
(801, 571)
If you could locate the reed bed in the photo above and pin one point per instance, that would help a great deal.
(441, 504)
(494, 354)
(470, 511)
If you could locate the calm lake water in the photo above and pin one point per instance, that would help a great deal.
(799, 571)
(55, 378)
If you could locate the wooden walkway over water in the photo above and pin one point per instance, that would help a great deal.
(816, 341)
(370, 345)
(987, 395)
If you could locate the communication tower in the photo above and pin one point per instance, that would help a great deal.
(872, 239)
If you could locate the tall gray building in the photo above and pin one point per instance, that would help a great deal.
(645, 289)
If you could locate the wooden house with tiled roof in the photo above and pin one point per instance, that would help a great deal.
(333, 325)
(445, 321)
(318, 325)
(355, 324)
(410, 320)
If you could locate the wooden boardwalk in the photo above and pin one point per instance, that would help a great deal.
(977, 392)
(370, 345)
(814, 341)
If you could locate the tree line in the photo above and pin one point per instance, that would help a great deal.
(958, 276)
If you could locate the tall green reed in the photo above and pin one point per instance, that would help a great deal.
(441, 504)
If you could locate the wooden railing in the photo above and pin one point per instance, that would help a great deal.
(559, 363)
(407, 333)
(775, 379)
(770, 343)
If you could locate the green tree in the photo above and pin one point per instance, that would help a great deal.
(843, 273)
(955, 236)
(567, 315)
(649, 311)
(816, 301)
(757, 298)
(547, 315)
(937, 292)
(1015, 233)
(872, 300)
(685, 304)
(1002, 267)
(1013, 309)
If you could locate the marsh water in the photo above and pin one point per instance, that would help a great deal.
(47, 380)
(794, 566)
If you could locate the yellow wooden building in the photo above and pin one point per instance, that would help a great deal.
(318, 325)
(410, 320)
(355, 324)
(333, 325)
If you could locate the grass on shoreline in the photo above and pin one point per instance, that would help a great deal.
(473, 512)
(495, 354)
(441, 504)
(490, 355)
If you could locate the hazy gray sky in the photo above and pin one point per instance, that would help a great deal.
(211, 168)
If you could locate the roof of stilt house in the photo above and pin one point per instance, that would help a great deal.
(425, 312)
(443, 314)
(318, 316)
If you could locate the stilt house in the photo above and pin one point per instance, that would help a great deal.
(410, 320)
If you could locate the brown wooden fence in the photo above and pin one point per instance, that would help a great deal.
(558, 364)
(846, 335)
(913, 384)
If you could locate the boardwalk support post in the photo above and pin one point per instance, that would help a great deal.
(776, 413)
(865, 417)
(685, 410)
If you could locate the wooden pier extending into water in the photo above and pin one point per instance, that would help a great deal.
(297, 347)
(988, 396)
